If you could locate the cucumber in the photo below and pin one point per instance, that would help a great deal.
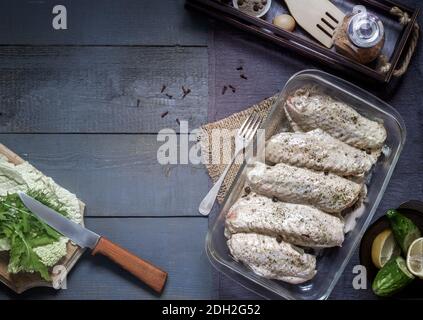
(393, 277)
(405, 231)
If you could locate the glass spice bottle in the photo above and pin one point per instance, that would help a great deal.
(361, 36)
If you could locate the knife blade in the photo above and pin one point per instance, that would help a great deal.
(80, 235)
(83, 237)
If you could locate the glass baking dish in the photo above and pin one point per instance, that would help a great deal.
(330, 262)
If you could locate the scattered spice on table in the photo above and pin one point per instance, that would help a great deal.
(186, 91)
(240, 68)
(178, 122)
(224, 89)
(167, 171)
(164, 114)
(232, 88)
(169, 96)
(163, 88)
(243, 76)
(138, 103)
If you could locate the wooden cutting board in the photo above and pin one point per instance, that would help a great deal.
(24, 281)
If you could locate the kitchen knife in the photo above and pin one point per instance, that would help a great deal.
(152, 276)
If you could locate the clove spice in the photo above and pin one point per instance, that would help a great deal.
(169, 96)
(164, 114)
(163, 89)
(186, 91)
(224, 89)
(243, 76)
(232, 88)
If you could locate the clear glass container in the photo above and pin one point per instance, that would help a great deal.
(330, 262)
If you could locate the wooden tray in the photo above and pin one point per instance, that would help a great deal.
(399, 44)
(24, 281)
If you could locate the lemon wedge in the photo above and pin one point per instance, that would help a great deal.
(384, 248)
(415, 258)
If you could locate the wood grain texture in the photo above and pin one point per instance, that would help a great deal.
(102, 22)
(101, 89)
(83, 89)
(115, 175)
(174, 244)
(145, 271)
(267, 69)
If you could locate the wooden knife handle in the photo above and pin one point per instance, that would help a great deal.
(152, 276)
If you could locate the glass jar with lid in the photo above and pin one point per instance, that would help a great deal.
(361, 36)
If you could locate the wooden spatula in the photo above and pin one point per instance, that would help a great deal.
(320, 18)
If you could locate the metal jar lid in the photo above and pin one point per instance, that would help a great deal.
(365, 30)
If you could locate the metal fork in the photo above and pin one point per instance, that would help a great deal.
(242, 139)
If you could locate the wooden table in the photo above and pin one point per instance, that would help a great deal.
(84, 105)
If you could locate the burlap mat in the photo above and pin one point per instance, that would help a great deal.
(230, 123)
